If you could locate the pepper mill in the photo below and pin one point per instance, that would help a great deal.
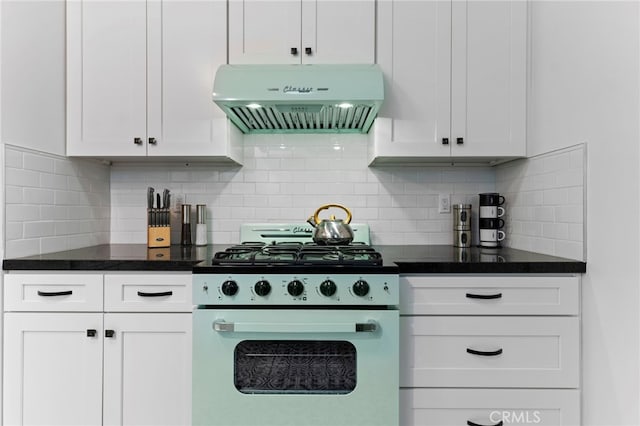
(201, 226)
(185, 240)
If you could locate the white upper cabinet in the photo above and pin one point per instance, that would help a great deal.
(414, 39)
(301, 31)
(106, 78)
(140, 76)
(488, 78)
(455, 76)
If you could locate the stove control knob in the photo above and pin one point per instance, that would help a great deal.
(262, 288)
(295, 288)
(229, 288)
(361, 288)
(328, 288)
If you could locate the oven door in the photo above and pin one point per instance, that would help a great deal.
(295, 367)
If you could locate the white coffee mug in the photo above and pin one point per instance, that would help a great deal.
(491, 211)
(491, 236)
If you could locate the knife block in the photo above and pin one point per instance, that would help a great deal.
(158, 228)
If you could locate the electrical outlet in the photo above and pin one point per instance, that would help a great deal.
(444, 203)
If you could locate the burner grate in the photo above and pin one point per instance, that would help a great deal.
(296, 254)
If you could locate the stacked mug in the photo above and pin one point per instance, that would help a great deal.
(490, 220)
(462, 225)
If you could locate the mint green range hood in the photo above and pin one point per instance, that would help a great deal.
(300, 98)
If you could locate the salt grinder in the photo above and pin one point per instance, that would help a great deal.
(186, 225)
(201, 226)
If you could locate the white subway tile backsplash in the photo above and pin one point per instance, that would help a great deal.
(22, 213)
(286, 178)
(39, 229)
(21, 177)
(13, 159)
(545, 202)
(13, 195)
(14, 231)
(556, 231)
(54, 203)
(37, 196)
(38, 163)
(554, 197)
(54, 212)
(22, 247)
(53, 181)
(51, 244)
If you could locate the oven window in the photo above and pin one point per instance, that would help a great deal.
(295, 367)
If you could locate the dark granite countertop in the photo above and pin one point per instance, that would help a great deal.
(406, 259)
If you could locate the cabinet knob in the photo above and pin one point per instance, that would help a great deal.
(91, 332)
(294, 51)
(445, 141)
(137, 141)
(109, 333)
(460, 141)
(153, 141)
(308, 50)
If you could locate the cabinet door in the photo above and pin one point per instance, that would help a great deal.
(147, 364)
(414, 52)
(106, 78)
(52, 369)
(488, 110)
(452, 407)
(264, 31)
(338, 31)
(187, 43)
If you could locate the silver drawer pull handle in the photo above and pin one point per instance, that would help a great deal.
(250, 327)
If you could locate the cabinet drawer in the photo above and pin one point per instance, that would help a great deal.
(444, 407)
(51, 292)
(147, 293)
(536, 352)
(489, 295)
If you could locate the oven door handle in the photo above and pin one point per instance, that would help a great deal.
(283, 327)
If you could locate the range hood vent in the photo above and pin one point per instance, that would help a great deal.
(300, 98)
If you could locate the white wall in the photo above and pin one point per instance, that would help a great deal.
(585, 89)
(286, 178)
(33, 74)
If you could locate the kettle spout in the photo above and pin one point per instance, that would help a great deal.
(311, 221)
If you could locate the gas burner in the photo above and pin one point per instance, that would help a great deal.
(296, 254)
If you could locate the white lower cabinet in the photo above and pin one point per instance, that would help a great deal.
(147, 364)
(103, 367)
(492, 352)
(52, 369)
(455, 407)
(468, 357)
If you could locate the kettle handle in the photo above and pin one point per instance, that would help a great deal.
(316, 219)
